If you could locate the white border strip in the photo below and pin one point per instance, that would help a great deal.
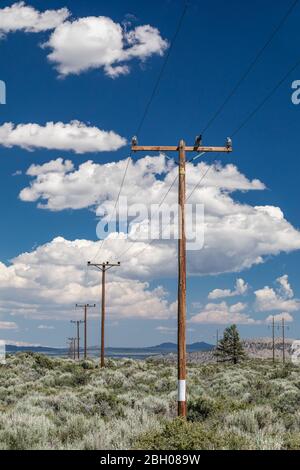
(181, 390)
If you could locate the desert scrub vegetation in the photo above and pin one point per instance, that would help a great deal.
(54, 403)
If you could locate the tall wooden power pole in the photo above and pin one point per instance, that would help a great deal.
(78, 322)
(85, 309)
(103, 267)
(181, 346)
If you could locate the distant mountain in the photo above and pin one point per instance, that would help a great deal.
(172, 347)
(14, 348)
(162, 348)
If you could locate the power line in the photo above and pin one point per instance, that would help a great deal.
(160, 75)
(269, 95)
(243, 77)
(250, 67)
(115, 205)
(249, 117)
(252, 114)
(147, 107)
(199, 182)
(159, 205)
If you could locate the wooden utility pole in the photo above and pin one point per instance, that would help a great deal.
(283, 327)
(103, 267)
(72, 347)
(217, 344)
(77, 322)
(181, 343)
(181, 346)
(85, 309)
(273, 337)
(283, 341)
(69, 348)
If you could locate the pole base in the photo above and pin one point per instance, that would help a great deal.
(182, 409)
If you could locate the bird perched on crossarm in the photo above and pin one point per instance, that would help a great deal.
(198, 141)
(134, 141)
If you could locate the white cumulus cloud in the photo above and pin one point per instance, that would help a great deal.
(241, 288)
(284, 287)
(8, 325)
(282, 298)
(99, 42)
(223, 314)
(46, 282)
(236, 235)
(73, 136)
(46, 327)
(22, 17)
(279, 317)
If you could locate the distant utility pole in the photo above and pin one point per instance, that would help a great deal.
(78, 322)
(273, 337)
(69, 350)
(85, 309)
(181, 148)
(282, 326)
(72, 347)
(103, 267)
(217, 342)
(283, 341)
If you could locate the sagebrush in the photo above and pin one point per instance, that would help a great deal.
(52, 403)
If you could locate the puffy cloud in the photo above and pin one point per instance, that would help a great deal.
(74, 136)
(278, 318)
(95, 185)
(285, 289)
(21, 343)
(236, 235)
(99, 42)
(20, 17)
(45, 284)
(223, 314)
(54, 166)
(8, 325)
(281, 299)
(170, 330)
(46, 327)
(241, 288)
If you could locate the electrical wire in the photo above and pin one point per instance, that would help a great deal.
(199, 183)
(147, 108)
(269, 95)
(162, 70)
(219, 110)
(254, 112)
(250, 67)
(115, 205)
(241, 126)
(159, 205)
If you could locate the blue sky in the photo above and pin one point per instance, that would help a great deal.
(215, 45)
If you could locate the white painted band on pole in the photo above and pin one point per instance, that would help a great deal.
(181, 390)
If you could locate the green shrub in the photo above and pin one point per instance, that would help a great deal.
(201, 408)
(53, 403)
(179, 435)
(43, 361)
(292, 441)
